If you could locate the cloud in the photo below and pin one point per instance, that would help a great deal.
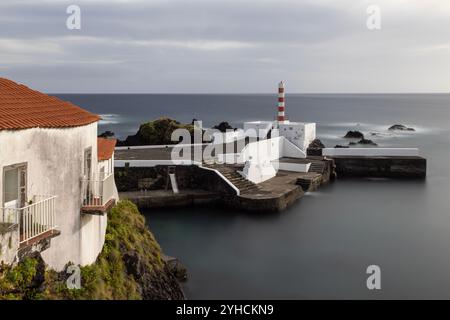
(226, 45)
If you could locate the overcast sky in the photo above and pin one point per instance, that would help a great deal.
(226, 46)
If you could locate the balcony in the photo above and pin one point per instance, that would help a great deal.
(36, 221)
(98, 195)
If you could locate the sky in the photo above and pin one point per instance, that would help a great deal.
(226, 46)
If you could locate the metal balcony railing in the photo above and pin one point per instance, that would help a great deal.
(34, 219)
(97, 192)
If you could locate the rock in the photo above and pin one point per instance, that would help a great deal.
(39, 277)
(157, 132)
(354, 135)
(400, 127)
(316, 144)
(134, 264)
(106, 134)
(176, 268)
(315, 148)
(363, 141)
(340, 146)
(223, 127)
(154, 284)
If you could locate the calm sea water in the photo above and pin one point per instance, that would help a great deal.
(320, 247)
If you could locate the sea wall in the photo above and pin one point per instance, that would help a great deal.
(156, 178)
(389, 167)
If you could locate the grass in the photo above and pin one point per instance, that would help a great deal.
(107, 278)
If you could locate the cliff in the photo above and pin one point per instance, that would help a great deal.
(130, 266)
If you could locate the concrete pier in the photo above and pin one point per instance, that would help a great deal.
(413, 167)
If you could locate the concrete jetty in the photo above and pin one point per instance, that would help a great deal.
(204, 184)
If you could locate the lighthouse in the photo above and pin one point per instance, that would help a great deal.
(281, 103)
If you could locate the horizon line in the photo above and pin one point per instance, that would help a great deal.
(248, 93)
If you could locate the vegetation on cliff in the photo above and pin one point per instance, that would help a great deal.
(156, 132)
(130, 266)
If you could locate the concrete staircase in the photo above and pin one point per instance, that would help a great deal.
(244, 185)
(317, 167)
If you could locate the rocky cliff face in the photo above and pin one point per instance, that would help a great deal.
(130, 266)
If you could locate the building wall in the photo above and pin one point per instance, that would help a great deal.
(107, 166)
(257, 129)
(300, 134)
(54, 159)
(9, 244)
(261, 157)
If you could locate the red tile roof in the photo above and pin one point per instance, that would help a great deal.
(22, 108)
(105, 148)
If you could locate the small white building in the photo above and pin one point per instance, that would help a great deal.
(56, 181)
(277, 139)
(258, 129)
(299, 133)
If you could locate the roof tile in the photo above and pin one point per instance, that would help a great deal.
(23, 108)
(105, 148)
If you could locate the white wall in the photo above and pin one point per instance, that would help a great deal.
(54, 159)
(261, 157)
(299, 133)
(257, 129)
(371, 152)
(295, 167)
(107, 166)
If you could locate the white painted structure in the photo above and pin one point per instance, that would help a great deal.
(42, 169)
(295, 167)
(53, 163)
(371, 152)
(262, 162)
(299, 133)
(258, 129)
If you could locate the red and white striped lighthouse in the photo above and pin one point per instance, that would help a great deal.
(281, 117)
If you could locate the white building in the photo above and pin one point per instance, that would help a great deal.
(56, 181)
(300, 134)
(277, 139)
(258, 129)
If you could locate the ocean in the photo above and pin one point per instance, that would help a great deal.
(320, 247)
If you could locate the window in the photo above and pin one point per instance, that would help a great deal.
(15, 185)
(11, 185)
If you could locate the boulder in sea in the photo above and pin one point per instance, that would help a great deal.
(363, 141)
(340, 146)
(354, 135)
(223, 127)
(400, 127)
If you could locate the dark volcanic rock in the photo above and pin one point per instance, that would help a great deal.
(354, 135)
(363, 141)
(223, 127)
(154, 284)
(315, 148)
(106, 134)
(340, 146)
(157, 132)
(316, 144)
(176, 268)
(400, 127)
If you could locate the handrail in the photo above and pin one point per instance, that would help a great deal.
(238, 192)
(97, 192)
(33, 219)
